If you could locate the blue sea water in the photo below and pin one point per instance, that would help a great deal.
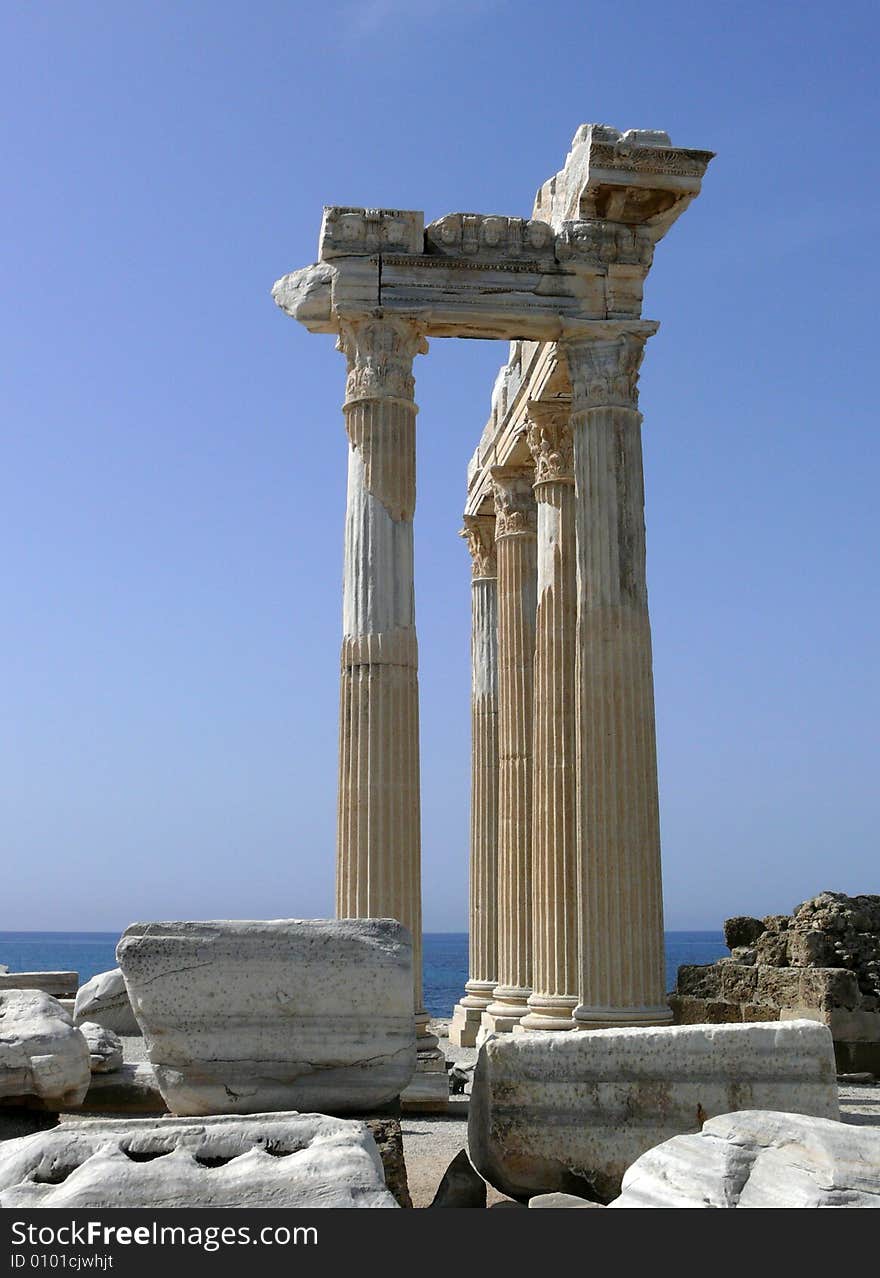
(446, 957)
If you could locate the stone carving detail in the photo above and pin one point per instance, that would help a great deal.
(489, 237)
(603, 244)
(479, 532)
(635, 158)
(550, 441)
(379, 350)
(347, 232)
(604, 373)
(515, 509)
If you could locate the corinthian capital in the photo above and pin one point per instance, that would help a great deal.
(515, 509)
(550, 442)
(379, 350)
(479, 533)
(604, 371)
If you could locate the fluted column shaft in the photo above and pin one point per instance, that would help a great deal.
(479, 530)
(378, 869)
(515, 536)
(621, 909)
(554, 828)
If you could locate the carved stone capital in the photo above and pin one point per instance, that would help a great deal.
(515, 509)
(604, 372)
(379, 350)
(550, 441)
(479, 533)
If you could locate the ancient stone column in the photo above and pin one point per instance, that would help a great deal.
(482, 931)
(378, 867)
(555, 968)
(621, 908)
(515, 537)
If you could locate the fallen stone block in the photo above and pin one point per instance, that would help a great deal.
(44, 1061)
(58, 984)
(104, 1001)
(264, 1160)
(249, 1017)
(757, 1158)
(460, 1186)
(569, 1112)
(105, 1048)
(389, 1142)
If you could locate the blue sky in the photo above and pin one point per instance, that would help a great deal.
(174, 457)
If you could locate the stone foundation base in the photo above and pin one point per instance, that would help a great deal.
(428, 1092)
(494, 1023)
(465, 1025)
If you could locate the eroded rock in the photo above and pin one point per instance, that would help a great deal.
(104, 1001)
(44, 1061)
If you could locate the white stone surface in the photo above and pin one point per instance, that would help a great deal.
(264, 1160)
(757, 1158)
(246, 1017)
(555, 1201)
(104, 1001)
(105, 1047)
(571, 1111)
(43, 1059)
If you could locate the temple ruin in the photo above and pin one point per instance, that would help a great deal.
(566, 917)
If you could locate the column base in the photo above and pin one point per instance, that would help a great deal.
(465, 1025)
(549, 1012)
(425, 1041)
(509, 1005)
(428, 1090)
(590, 1018)
(468, 1011)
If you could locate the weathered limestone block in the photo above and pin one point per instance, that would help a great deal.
(751, 1012)
(758, 1158)
(104, 1001)
(44, 1061)
(105, 1049)
(741, 930)
(771, 949)
(829, 988)
(687, 1010)
(570, 1112)
(778, 986)
(699, 981)
(58, 984)
(265, 1161)
(739, 982)
(246, 1017)
(388, 1136)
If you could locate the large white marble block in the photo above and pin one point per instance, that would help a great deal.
(246, 1017)
(571, 1111)
(44, 1061)
(104, 1001)
(760, 1159)
(263, 1160)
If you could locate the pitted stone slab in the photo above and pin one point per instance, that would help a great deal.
(264, 1160)
(244, 1017)
(58, 984)
(44, 1061)
(570, 1112)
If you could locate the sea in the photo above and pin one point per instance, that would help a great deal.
(445, 957)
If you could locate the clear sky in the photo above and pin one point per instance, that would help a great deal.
(173, 463)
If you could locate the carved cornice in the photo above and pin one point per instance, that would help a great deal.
(379, 350)
(604, 373)
(515, 510)
(601, 244)
(667, 161)
(479, 533)
(550, 441)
